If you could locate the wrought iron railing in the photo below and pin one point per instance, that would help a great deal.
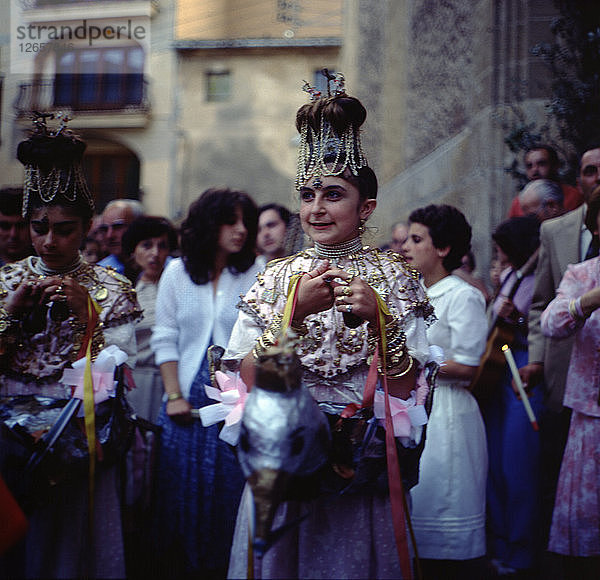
(84, 93)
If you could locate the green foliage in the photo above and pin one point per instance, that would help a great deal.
(573, 59)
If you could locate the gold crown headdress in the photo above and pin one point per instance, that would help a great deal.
(329, 128)
(52, 161)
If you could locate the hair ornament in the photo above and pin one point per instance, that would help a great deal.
(52, 160)
(329, 128)
(312, 91)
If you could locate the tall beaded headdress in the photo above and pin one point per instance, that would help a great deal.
(329, 128)
(52, 161)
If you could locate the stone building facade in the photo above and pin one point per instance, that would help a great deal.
(223, 82)
(440, 80)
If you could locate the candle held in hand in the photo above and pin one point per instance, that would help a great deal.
(517, 378)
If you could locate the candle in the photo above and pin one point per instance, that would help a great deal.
(517, 378)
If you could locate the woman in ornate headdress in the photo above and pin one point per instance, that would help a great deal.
(348, 534)
(44, 317)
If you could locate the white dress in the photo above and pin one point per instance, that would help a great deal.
(449, 501)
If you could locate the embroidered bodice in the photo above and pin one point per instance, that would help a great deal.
(331, 348)
(43, 350)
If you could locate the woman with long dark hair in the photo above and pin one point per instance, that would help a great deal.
(198, 480)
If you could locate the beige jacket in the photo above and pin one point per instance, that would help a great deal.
(559, 246)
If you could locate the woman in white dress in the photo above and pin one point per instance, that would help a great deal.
(449, 501)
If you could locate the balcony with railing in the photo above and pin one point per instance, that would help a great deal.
(96, 100)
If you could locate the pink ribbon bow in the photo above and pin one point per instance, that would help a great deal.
(231, 394)
(103, 371)
(406, 414)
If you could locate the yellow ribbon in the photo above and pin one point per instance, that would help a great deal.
(290, 304)
(93, 311)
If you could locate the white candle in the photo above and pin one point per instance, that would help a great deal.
(517, 378)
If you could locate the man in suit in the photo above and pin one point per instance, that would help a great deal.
(563, 240)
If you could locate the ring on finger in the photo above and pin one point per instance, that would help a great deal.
(341, 300)
(346, 291)
(349, 308)
(59, 290)
(349, 280)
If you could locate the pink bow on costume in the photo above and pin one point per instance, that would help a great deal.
(103, 372)
(232, 394)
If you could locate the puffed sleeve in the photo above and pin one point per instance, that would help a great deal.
(120, 313)
(408, 301)
(468, 327)
(243, 337)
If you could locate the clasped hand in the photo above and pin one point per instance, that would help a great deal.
(35, 292)
(324, 288)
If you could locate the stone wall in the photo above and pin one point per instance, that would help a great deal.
(250, 141)
(438, 79)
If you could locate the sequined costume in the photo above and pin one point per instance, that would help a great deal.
(347, 535)
(33, 365)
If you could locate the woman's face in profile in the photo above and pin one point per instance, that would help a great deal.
(56, 235)
(419, 250)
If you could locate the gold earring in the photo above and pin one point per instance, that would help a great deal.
(361, 227)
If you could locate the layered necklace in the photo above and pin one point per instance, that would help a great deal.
(37, 265)
(337, 251)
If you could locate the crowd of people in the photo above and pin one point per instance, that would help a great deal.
(488, 491)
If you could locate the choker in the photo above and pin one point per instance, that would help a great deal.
(38, 266)
(333, 251)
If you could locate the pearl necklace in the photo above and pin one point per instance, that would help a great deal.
(37, 265)
(334, 251)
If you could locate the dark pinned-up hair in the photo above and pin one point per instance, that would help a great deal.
(518, 238)
(341, 112)
(365, 182)
(79, 207)
(447, 227)
(54, 176)
(146, 227)
(201, 228)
